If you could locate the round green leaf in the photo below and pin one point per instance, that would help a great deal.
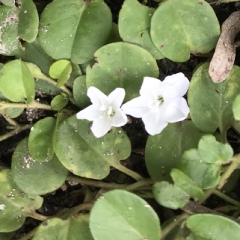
(12, 112)
(80, 92)
(61, 71)
(84, 154)
(220, 153)
(169, 195)
(74, 29)
(15, 205)
(213, 227)
(59, 102)
(33, 177)
(134, 26)
(28, 21)
(163, 151)
(182, 181)
(213, 108)
(125, 216)
(8, 2)
(177, 32)
(41, 139)
(205, 175)
(121, 65)
(16, 82)
(236, 108)
(72, 228)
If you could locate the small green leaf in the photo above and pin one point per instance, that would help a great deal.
(125, 216)
(134, 26)
(176, 32)
(213, 227)
(163, 151)
(71, 228)
(61, 71)
(84, 154)
(220, 153)
(121, 65)
(213, 108)
(169, 195)
(33, 177)
(59, 102)
(15, 205)
(12, 112)
(16, 82)
(74, 29)
(236, 107)
(8, 2)
(182, 181)
(205, 175)
(41, 140)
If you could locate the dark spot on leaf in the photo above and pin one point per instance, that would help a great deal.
(161, 46)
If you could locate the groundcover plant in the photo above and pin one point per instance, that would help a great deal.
(119, 120)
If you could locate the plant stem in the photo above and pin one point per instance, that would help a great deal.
(139, 184)
(17, 130)
(81, 207)
(226, 198)
(127, 171)
(34, 104)
(171, 226)
(29, 235)
(234, 165)
(38, 216)
(10, 120)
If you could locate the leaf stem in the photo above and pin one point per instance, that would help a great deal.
(127, 171)
(226, 198)
(139, 184)
(234, 165)
(81, 207)
(173, 224)
(10, 120)
(38, 216)
(17, 130)
(29, 235)
(34, 104)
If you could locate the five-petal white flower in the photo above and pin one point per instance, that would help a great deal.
(105, 111)
(160, 102)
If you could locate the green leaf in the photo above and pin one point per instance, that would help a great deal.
(33, 177)
(12, 112)
(59, 102)
(71, 228)
(15, 205)
(205, 175)
(169, 195)
(84, 154)
(213, 108)
(16, 82)
(236, 107)
(113, 35)
(28, 21)
(177, 32)
(220, 153)
(134, 26)
(125, 216)
(41, 140)
(182, 181)
(163, 151)
(61, 71)
(213, 227)
(80, 92)
(121, 65)
(74, 29)
(7, 236)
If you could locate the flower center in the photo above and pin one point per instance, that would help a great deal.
(107, 111)
(157, 101)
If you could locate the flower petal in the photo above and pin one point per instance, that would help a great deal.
(119, 119)
(97, 97)
(116, 97)
(153, 122)
(136, 107)
(176, 111)
(100, 127)
(90, 113)
(150, 87)
(175, 86)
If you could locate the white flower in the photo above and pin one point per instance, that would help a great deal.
(160, 102)
(105, 111)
